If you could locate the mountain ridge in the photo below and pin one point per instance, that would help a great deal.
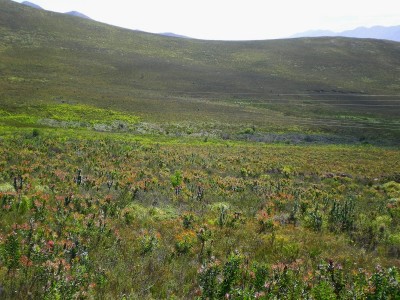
(77, 14)
(171, 34)
(376, 32)
(71, 13)
(31, 4)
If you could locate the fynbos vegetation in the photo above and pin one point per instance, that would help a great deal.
(104, 218)
(134, 166)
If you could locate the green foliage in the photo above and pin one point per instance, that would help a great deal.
(385, 284)
(86, 114)
(146, 75)
(83, 240)
(148, 242)
(287, 171)
(125, 108)
(261, 273)
(176, 179)
(185, 243)
(394, 245)
(248, 130)
(230, 273)
(223, 215)
(208, 280)
(188, 220)
(265, 222)
(35, 132)
(11, 252)
(6, 187)
(342, 216)
(392, 188)
(323, 291)
(314, 220)
(72, 116)
(24, 205)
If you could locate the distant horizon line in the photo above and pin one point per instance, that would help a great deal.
(304, 33)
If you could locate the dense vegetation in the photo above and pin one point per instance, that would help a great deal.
(101, 216)
(134, 166)
(339, 88)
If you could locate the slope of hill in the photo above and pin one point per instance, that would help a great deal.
(337, 85)
(376, 32)
(131, 165)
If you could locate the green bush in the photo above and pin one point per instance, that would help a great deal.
(323, 291)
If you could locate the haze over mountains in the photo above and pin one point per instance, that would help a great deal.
(377, 32)
(71, 13)
(33, 5)
(77, 14)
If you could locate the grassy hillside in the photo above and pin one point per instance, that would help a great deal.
(136, 166)
(327, 85)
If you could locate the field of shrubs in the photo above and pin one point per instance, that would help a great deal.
(140, 166)
(105, 217)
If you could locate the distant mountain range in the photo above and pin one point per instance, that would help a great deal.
(77, 14)
(171, 34)
(71, 13)
(27, 3)
(377, 32)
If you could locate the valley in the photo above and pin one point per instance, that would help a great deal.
(142, 166)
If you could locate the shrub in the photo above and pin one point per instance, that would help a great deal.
(176, 179)
(207, 279)
(217, 282)
(230, 273)
(35, 132)
(313, 220)
(323, 291)
(342, 216)
(188, 220)
(11, 252)
(148, 242)
(184, 242)
(265, 222)
(394, 245)
(385, 284)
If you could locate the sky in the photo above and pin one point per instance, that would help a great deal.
(234, 19)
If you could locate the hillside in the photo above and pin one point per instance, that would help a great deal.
(337, 86)
(139, 166)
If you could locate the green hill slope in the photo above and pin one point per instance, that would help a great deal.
(330, 85)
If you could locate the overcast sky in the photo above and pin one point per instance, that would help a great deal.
(234, 19)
